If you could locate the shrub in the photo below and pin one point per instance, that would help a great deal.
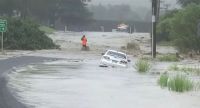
(180, 27)
(169, 58)
(163, 80)
(132, 46)
(142, 66)
(25, 35)
(177, 83)
(184, 28)
(180, 83)
(164, 27)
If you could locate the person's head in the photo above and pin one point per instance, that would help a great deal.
(83, 35)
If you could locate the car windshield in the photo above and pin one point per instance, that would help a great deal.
(117, 55)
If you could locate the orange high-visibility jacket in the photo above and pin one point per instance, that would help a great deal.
(84, 41)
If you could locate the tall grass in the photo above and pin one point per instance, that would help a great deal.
(142, 66)
(163, 80)
(168, 58)
(178, 83)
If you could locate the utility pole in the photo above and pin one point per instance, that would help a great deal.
(155, 12)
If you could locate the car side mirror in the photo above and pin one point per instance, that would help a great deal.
(102, 53)
(129, 60)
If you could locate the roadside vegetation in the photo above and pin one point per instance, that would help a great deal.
(163, 80)
(133, 46)
(142, 66)
(23, 33)
(186, 69)
(168, 58)
(179, 27)
(47, 30)
(47, 11)
(26, 35)
(177, 83)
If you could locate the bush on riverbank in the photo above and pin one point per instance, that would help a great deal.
(142, 66)
(180, 27)
(25, 35)
(163, 80)
(178, 83)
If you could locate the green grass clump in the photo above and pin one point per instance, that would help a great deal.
(163, 80)
(142, 66)
(46, 29)
(178, 83)
(168, 58)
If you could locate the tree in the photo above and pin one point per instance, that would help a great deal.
(7, 7)
(186, 2)
(73, 12)
(69, 11)
(114, 13)
(164, 26)
(180, 27)
(25, 35)
(184, 28)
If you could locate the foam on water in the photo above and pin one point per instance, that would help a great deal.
(86, 85)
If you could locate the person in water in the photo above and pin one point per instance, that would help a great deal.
(84, 41)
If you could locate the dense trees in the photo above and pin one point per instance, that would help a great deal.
(114, 12)
(184, 28)
(186, 2)
(25, 35)
(68, 11)
(164, 26)
(180, 27)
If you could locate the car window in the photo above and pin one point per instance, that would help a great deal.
(117, 55)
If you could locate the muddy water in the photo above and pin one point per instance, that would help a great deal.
(83, 84)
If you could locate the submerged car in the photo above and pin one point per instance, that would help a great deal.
(114, 58)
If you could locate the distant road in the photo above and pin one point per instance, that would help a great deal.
(7, 100)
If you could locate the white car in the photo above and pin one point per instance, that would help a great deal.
(114, 58)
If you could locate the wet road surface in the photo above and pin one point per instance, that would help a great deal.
(83, 84)
(7, 99)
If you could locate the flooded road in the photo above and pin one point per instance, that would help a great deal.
(83, 84)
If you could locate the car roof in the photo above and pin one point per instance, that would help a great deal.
(116, 51)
